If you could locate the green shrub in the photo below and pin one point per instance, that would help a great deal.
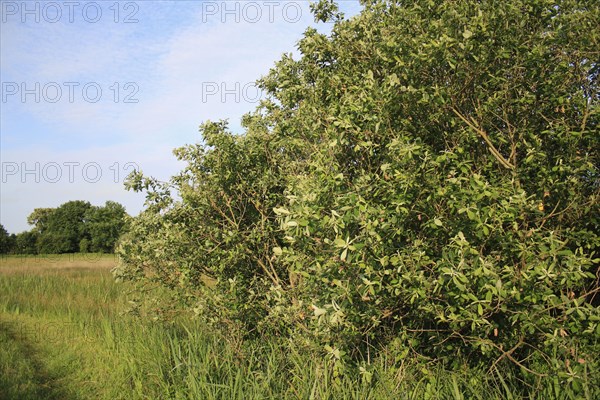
(427, 174)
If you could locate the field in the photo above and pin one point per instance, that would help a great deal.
(64, 335)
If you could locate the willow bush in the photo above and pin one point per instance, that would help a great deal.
(425, 177)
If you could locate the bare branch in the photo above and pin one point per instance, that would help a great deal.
(484, 135)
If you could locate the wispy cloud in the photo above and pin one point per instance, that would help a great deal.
(167, 65)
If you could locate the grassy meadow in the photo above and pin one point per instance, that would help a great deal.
(64, 335)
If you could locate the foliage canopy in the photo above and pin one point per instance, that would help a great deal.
(69, 228)
(426, 177)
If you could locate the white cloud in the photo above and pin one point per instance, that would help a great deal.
(176, 50)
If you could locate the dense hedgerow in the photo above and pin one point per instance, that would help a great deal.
(425, 177)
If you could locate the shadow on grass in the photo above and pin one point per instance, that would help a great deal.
(23, 375)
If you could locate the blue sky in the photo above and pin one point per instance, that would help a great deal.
(91, 90)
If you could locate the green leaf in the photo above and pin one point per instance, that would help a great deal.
(339, 242)
(488, 297)
(319, 311)
(280, 211)
(344, 254)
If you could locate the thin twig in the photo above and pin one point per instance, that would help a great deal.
(508, 354)
(486, 138)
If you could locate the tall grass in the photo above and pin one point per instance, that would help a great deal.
(63, 335)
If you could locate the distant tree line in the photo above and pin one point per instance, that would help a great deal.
(75, 226)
